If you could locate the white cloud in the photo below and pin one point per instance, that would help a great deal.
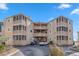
(63, 6)
(3, 6)
(51, 18)
(75, 11)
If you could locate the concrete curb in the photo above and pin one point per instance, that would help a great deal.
(12, 53)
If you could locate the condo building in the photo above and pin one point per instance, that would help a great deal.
(40, 33)
(1, 29)
(78, 35)
(21, 30)
(60, 31)
(17, 29)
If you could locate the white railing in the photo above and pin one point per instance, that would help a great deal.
(40, 27)
(19, 32)
(19, 22)
(40, 34)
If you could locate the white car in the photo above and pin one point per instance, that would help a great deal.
(43, 43)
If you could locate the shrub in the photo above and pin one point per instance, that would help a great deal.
(56, 51)
(2, 47)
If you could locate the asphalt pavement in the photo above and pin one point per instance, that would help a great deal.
(32, 50)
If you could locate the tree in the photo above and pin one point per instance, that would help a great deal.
(2, 43)
(51, 42)
(3, 39)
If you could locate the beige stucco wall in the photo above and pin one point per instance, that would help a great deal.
(53, 35)
(51, 32)
(8, 30)
(9, 25)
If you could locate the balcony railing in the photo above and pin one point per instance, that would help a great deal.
(40, 34)
(62, 33)
(19, 32)
(61, 23)
(19, 22)
(40, 27)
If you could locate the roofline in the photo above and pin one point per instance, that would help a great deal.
(38, 22)
(19, 14)
(58, 17)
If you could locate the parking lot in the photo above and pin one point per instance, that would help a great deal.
(32, 50)
(37, 50)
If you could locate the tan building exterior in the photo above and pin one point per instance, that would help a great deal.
(40, 32)
(76, 43)
(17, 28)
(1, 29)
(22, 31)
(78, 35)
(60, 31)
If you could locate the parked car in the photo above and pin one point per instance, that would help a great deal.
(43, 43)
(34, 43)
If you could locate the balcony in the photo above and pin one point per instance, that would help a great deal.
(40, 27)
(19, 22)
(40, 34)
(22, 32)
(62, 23)
(62, 33)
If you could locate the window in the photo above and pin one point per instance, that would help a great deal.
(30, 30)
(50, 31)
(0, 28)
(16, 27)
(57, 20)
(14, 18)
(20, 17)
(25, 38)
(25, 19)
(70, 38)
(50, 38)
(66, 37)
(69, 22)
(57, 29)
(62, 37)
(25, 28)
(19, 37)
(62, 28)
(13, 28)
(57, 37)
(8, 20)
(15, 37)
(66, 20)
(20, 27)
(62, 19)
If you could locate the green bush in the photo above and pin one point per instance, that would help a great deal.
(2, 47)
(55, 51)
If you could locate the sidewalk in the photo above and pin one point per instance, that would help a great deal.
(74, 54)
(9, 52)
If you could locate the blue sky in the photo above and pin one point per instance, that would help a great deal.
(43, 12)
